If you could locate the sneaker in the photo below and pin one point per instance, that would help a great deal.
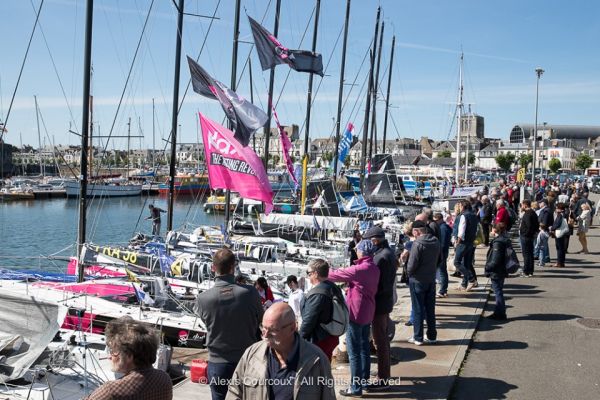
(348, 393)
(434, 341)
(472, 285)
(414, 341)
(441, 295)
(408, 323)
(461, 288)
(380, 386)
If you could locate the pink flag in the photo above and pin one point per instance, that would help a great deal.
(232, 166)
(286, 146)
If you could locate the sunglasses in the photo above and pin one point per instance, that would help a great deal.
(309, 272)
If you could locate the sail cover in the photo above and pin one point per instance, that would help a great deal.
(345, 224)
(383, 163)
(27, 326)
(321, 199)
(378, 189)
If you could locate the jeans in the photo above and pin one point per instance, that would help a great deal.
(216, 372)
(359, 354)
(463, 260)
(422, 296)
(442, 272)
(382, 343)
(486, 233)
(498, 287)
(561, 250)
(156, 228)
(527, 250)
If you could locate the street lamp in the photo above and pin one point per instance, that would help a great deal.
(538, 71)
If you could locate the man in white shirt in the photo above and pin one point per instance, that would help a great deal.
(295, 297)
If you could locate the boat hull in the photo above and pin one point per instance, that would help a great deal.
(103, 190)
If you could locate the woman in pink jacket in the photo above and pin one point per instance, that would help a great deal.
(362, 279)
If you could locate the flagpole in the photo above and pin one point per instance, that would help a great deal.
(267, 128)
(85, 129)
(373, 83)
(174, 116)
(308, 103)
(340, 94)
(387, 97)
(375, 91)
(236, 34)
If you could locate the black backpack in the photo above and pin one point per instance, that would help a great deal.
(340, 317)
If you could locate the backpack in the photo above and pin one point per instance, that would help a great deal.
(340, 317)
(512, 261)
(512, 217)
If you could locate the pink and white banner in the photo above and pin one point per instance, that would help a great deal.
(232, 166)
(286, 147)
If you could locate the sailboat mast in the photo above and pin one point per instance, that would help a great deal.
(174, 115)
(372, 86)
(459, 105)
(236, 34)
(153, 138)
(251, 98)
(468, 122)
(37, 118)
(85, 120)
(375, 93)
(340, 94)
(308, 103)
(267, 128)
(387, 97)
(363, 152)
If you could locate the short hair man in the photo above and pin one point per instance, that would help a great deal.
(296, 296)
(278, 358)
(317, 307)
(155, 217)
(132, 348)
(421, 268)
(464, 250)
(231, 313)
(528, 231)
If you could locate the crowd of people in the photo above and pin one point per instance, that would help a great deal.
(260, 348)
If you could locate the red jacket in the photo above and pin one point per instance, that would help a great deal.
(502, 216)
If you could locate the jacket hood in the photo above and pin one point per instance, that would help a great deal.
(427, 238)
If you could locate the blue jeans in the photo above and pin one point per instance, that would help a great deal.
(463, 260)
(498, 287)
(359, 354)
(422, 296)
(216, 372)
(442, 272)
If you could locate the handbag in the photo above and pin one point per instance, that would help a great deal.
(404, 274)
(563, 230)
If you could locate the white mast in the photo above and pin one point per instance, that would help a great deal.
(469, 119)
(459, 105)
(37, 118)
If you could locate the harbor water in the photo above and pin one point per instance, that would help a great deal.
(30, 231)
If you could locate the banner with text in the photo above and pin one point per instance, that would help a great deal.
(232, 166)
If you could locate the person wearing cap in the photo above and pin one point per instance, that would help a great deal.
(362, 279)
(421, 268)
(561, 245)
(442, 268)
(386, 261)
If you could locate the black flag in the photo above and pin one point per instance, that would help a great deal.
(271, 52)
(245, 117)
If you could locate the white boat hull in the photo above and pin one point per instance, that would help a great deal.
(103, 190)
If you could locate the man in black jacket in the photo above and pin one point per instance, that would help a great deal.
(317, 307)
(495, 269)
(384, 303)
(231, 313)
(528, 231)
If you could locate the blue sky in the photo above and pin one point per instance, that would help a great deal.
(503, 42)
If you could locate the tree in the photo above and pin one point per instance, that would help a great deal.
(583, 162)
(505, 161)
(348, 162)
(525, 160)
(445, 154)
(472, 159)
(554, 165)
